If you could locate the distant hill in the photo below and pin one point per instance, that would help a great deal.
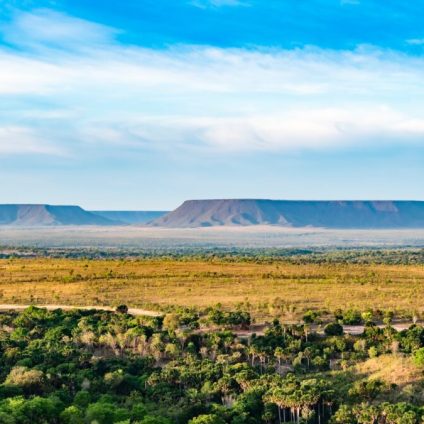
(328, 214)
(48, 215)
(131, 217)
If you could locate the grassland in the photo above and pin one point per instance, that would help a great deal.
(273, 289)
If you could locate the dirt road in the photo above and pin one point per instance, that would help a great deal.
(258, 329)
(132, 311)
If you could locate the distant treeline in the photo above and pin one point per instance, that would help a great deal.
(405, 256)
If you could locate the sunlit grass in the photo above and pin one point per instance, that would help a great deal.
(267, 290)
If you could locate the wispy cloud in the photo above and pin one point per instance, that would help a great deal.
(15, 140)
(45, 28)
(416, 41)
(197, 97)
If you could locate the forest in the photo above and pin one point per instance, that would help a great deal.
(99, 367)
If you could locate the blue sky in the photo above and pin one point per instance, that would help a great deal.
(143, 104)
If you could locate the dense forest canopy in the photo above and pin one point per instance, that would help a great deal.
(93, 367)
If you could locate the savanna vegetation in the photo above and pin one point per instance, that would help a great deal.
(266, 287)
(92, 367)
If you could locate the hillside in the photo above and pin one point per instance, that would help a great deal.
(328, 214)
(131, 217)
(47, 215)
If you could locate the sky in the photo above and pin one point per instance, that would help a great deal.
(140, 105)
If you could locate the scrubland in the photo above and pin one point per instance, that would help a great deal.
(274, 288)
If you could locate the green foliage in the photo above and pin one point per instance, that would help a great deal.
(207, 419)
(222, 318)
(333, 329)
(367, 390)
(105, 413)
(351, 317)
(72, 415)
(310, 316)
(86, 367)
(154, 419)
(418, 357)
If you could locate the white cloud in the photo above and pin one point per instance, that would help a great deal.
(416, 41)
(293, 130)
(22, 140)
(196, 96)
(47, 28)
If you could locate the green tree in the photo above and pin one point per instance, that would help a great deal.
(154, 419)
(418, 357)
(72, 415)
(333, 329)
(207, 419)
(105, 413)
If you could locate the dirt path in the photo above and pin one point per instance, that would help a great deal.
(359, 329)
(354, 330)
(258, 329)
(132, 311)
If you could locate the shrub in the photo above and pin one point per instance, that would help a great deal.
(310, 316)
(122, 309)
(333, 329)
(30, 380)
(418, 357)
(352, 317)
(207, 419)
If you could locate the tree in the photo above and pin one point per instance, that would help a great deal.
(418, 357)
(352, 317)
(6, 418)
(310, 316)
(153, 419)
(38, 410)
(372, 352)
(333, 329)
(171, 322)
(122, 309)
(344, 415)
(31, 380)
(72, 415)
(207, 419)
(105, 413)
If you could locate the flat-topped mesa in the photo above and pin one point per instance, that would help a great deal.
(353, 214)
(48, 215)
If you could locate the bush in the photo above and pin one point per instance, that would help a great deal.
(352, 317)
(151, 419)
(207, 419)
(333, 329)
(72, 415)
(418, 357)
(310, 316)
(30, 380)
(122, 309)
(105, 413)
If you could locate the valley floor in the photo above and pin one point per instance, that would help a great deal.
(267, 290)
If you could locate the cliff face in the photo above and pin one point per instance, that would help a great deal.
(47, 215)
(329, 214)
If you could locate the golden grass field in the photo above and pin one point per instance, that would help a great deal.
(269, 290)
